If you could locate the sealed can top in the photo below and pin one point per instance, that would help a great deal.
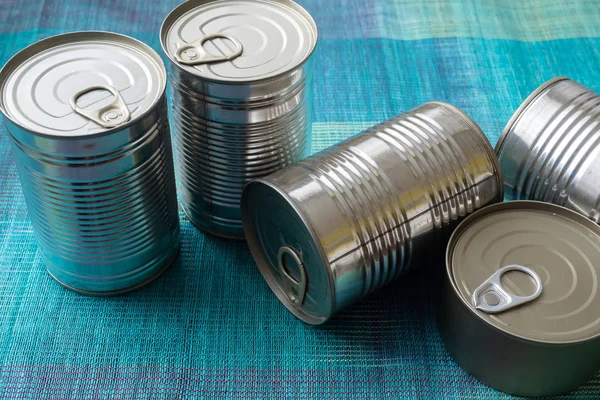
(288, 252)
(239, 40)
(81, 83)
(529, 269)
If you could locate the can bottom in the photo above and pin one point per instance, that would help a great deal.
(285, 226)
(233, 236)
(120, 291)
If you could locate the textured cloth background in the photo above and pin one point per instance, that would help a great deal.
(211, 327)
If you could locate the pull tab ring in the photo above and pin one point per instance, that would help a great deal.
(492, 298)
(194, 54)
(294, 288)
(110, 116)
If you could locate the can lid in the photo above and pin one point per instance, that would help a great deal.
(81, 83)
(287, 252)
(239, 40)
(548, 257)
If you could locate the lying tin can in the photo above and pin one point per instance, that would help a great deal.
(521, 308)
(337, 226)
(549, 150)
(242, 88)
(87, 116)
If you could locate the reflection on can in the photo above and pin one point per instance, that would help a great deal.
(545, 341)
(242, 87)
(337, 226)
(550, 150)
(87, 116)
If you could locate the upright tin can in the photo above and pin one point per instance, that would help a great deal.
(337, 226)
(242, 99)
(549, 150)
(521, 307)
(87, 116)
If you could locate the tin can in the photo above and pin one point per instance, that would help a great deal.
(521, 308)
(549, 150)
(87, 116)
(339, 225)
(242, 100)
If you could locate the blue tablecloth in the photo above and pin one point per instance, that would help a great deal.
(211, 327)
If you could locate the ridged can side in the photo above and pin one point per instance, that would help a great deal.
(218, 151)
(106, 221)
(550, 151)
(244, 117)
(102, 200)
(364, 212)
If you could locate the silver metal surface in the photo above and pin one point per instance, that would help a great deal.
(277, 37)
(545, 347)
(39, 82)
(100, 195)
(549, 150)
(109, 116)
(296, 286)
(362, 213)
(194, 53)
(241, 119)
(491, 297)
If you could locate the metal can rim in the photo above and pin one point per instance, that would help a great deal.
(186, 6)
(485, 141)
(47, 43)
(168, 264)
(256, 249)
(511, 205)
(526, 103)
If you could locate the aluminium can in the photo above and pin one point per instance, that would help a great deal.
(550, 152)
(241, 73)
(87, 117)
(341, 224)
(521, 307)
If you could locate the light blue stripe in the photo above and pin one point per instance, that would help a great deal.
(531, 20)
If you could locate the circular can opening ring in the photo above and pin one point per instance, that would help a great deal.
(491, 297)
(110, 116)
(194, 53)
(294, 288)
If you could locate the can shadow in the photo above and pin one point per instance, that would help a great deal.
(196, 279)
(396, 323)
(395, 333)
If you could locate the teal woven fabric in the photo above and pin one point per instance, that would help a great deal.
(210, 327)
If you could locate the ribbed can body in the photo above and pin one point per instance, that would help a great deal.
(550, 149)
(372, 207)
(103, 207)
(229, 134)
